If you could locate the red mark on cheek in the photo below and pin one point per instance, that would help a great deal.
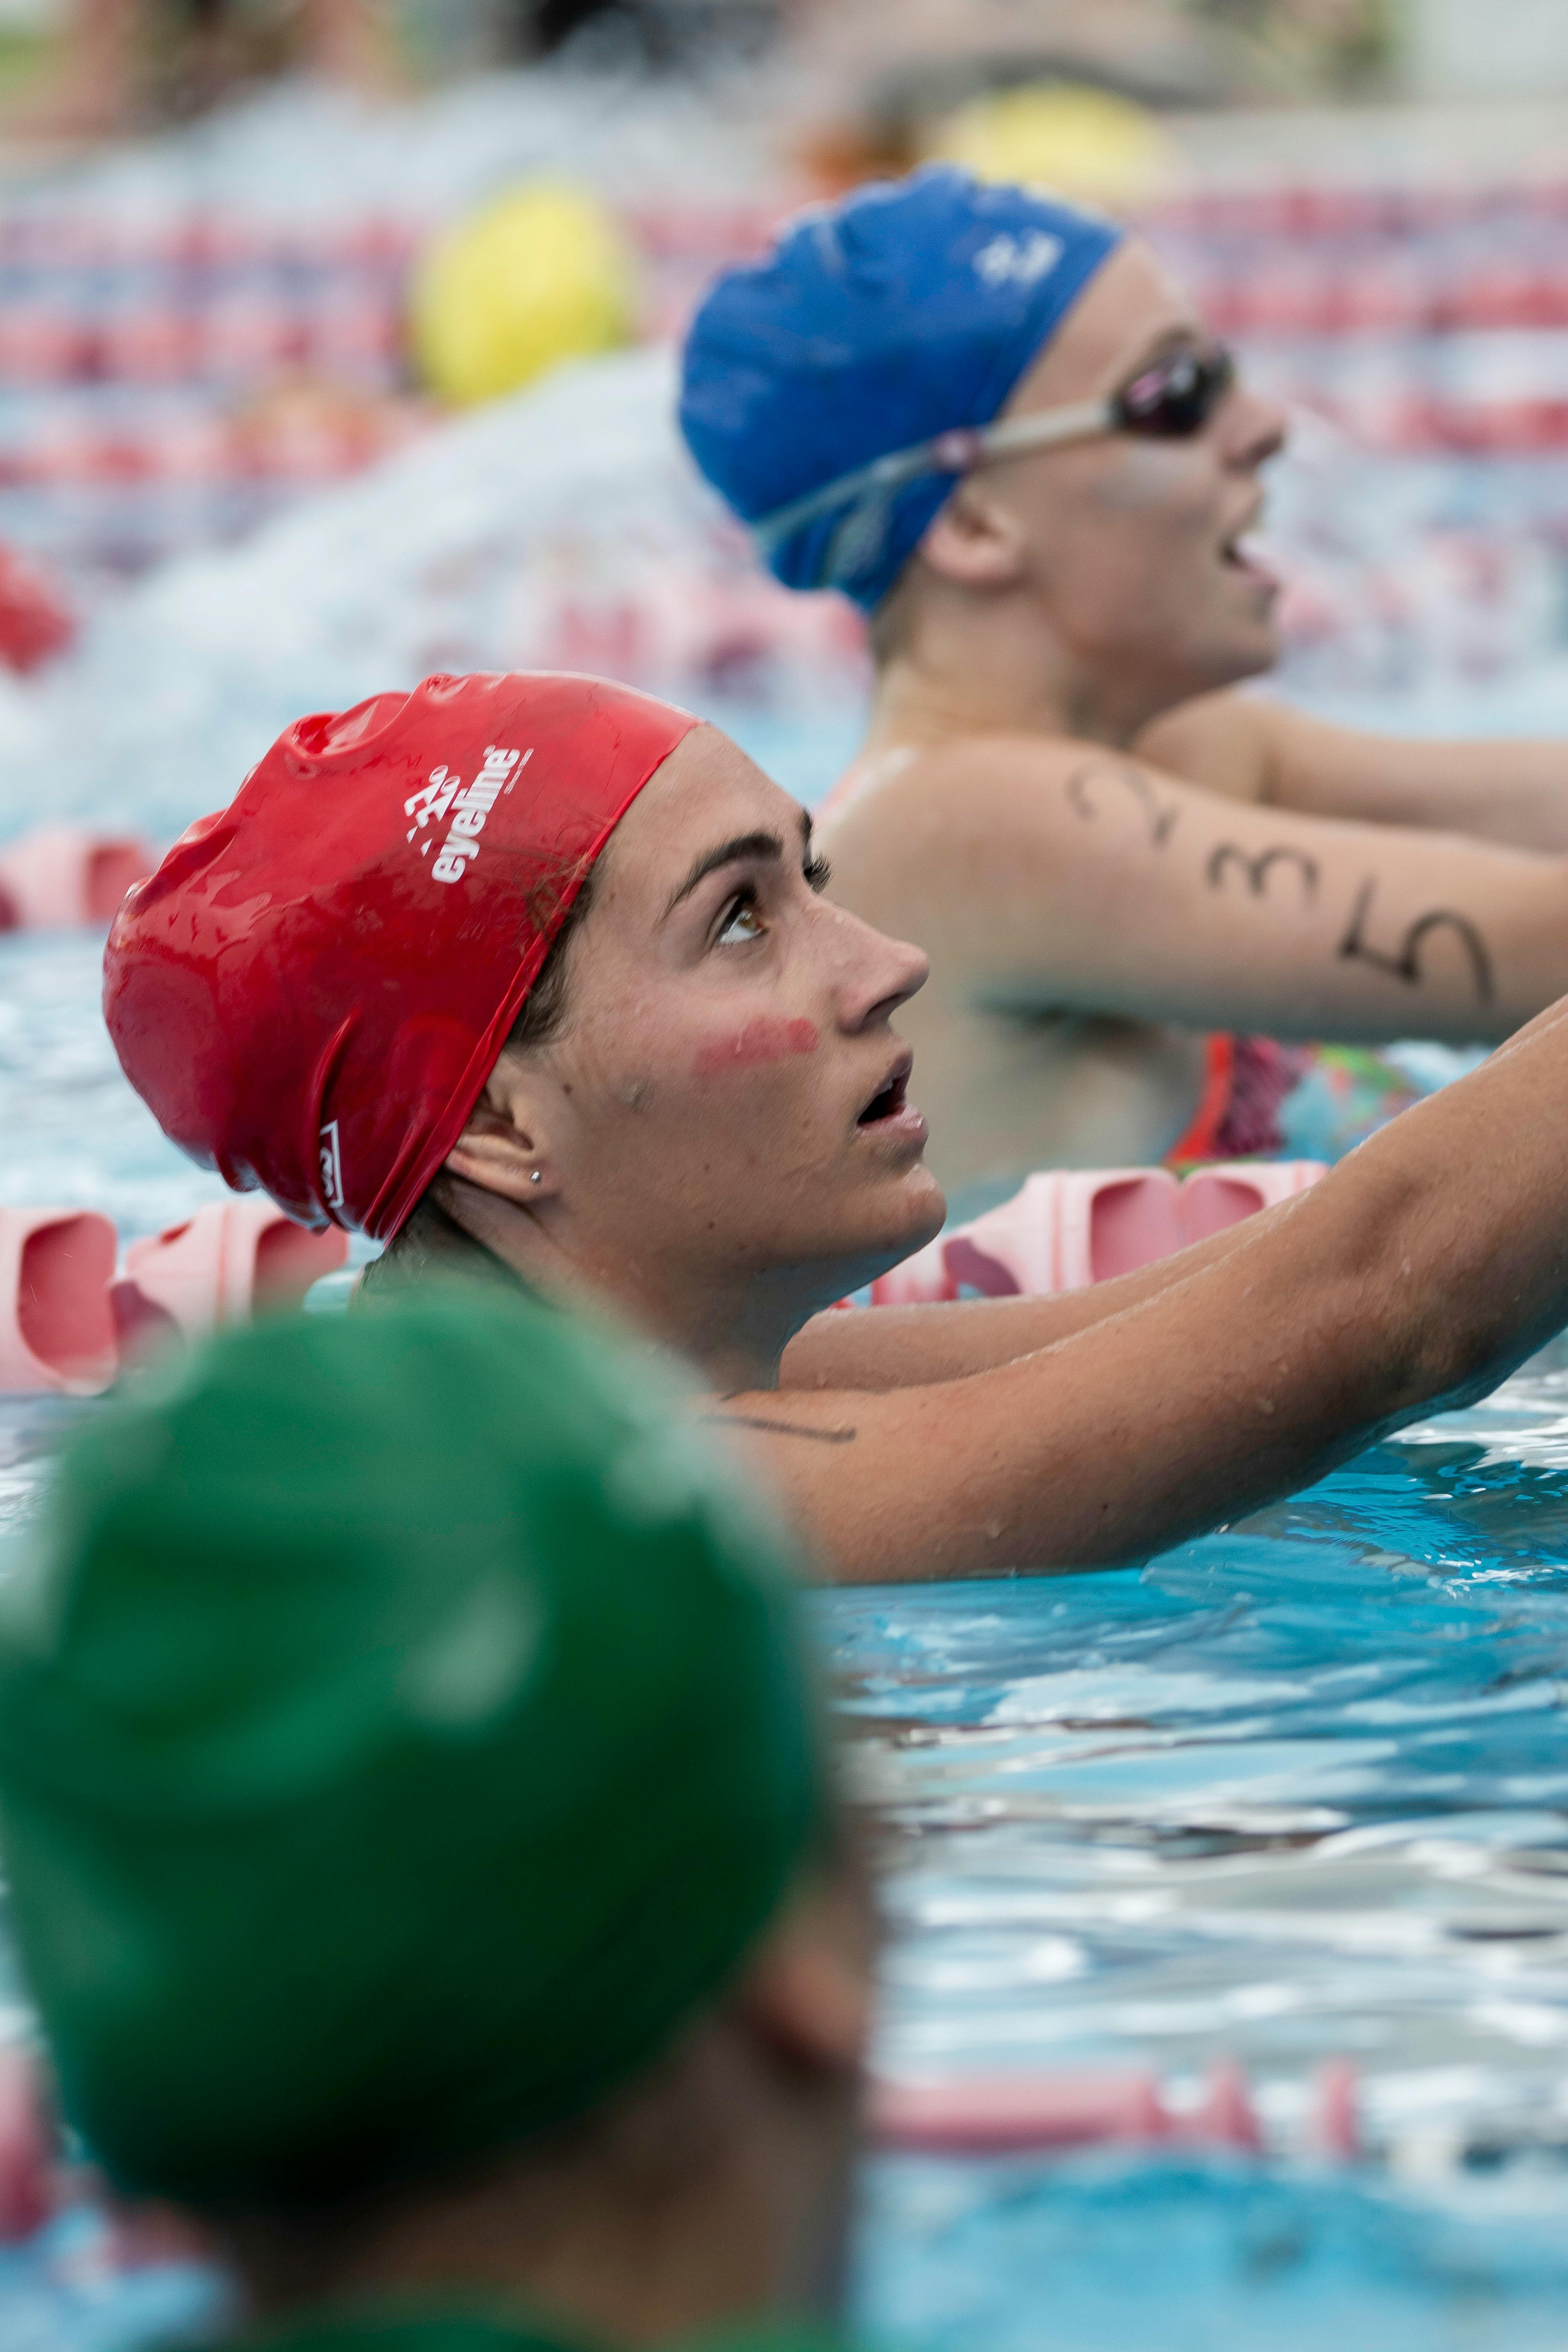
(760, 1041)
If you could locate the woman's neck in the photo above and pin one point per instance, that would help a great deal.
(733, 1333)
(966, 668)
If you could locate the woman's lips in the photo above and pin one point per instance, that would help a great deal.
(890, 1115)
(906, 1126)
(885, 1104)
(888, 1098)
(1245, 552)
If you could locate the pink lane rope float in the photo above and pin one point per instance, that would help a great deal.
(63, 875)
(68, 1324)
(1070, 1229)
(1021, 2114)
(57, 1324)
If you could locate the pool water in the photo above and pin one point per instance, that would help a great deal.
(1294, 1792)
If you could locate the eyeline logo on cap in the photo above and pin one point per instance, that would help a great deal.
(469, 811)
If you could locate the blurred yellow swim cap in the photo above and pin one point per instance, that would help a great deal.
(404, 1730)
(539, 276)
(1084, 143)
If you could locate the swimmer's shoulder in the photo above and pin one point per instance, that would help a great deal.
(1224, 743)
(932, 846)
(943, 777)
(904, 808)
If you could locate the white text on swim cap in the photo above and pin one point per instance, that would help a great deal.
(427, 807)
(1018, 260)
(468, 809)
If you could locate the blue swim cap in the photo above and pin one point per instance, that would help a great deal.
(907, 312)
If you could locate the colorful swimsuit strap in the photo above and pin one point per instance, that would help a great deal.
(1201, 1139)
(1246, 1081)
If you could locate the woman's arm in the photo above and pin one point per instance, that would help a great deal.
(910, 1347)
(1418, 1272)
(1049, 875)
(1249, 747)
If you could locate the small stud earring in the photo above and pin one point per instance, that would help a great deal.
(535, 1176)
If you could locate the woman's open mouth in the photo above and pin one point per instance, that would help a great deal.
(889, 1103)
(891, 1113)
(1247, 550)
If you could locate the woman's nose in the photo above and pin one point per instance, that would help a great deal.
(1255, 427)
(875, 974)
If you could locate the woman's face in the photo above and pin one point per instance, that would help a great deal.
(1132, 541)
(726, 1096)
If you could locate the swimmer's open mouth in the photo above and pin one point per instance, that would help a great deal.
(1243, 551)
(889, 1100)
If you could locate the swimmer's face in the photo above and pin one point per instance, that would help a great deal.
(1131, 541)
(725, 1100)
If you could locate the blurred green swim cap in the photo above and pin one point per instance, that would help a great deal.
(403, 1728)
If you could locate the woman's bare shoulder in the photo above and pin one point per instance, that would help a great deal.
(891, 798)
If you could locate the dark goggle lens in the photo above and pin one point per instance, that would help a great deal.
(1176, 398)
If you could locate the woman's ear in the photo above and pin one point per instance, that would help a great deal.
(973, 541)
(807, 1993)
(504, 1148)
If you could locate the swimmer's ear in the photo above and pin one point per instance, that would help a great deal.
(807, 1993)
(975, 541)
(505, 1146)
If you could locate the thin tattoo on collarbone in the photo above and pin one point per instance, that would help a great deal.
(1255, 870)
(784, 1428)
(1405, 963)
(1162, 816)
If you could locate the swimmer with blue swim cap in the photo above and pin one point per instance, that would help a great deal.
(834, 391)
(421, 1844)
(998, 424)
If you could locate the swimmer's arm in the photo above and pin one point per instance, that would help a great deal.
(1067, 877)
(1246, 747)
(1417, 1273)
(910, 1347)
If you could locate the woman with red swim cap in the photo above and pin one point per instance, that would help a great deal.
(534, 973)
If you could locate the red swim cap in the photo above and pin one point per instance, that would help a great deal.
(311, 990)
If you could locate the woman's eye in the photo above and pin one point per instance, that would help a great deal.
(742, 923)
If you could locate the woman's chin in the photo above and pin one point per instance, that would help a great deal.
(918, 1215)
(847, 1253)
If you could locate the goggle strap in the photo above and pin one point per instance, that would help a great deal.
(869, 491)
(1082, 421)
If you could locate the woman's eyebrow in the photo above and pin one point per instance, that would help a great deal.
(745, 845)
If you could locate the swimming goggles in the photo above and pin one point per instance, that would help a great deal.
(1172, 399)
